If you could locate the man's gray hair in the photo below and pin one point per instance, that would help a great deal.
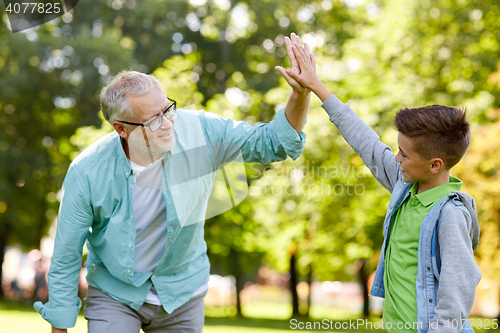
(114, 104)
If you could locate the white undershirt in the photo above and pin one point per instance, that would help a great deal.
(151, 225)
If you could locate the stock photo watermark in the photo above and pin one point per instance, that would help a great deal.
(334, 180)
(319, 171)
(327, 324)
(312, 190)
(26, 14)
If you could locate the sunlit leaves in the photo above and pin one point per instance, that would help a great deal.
(220, 56)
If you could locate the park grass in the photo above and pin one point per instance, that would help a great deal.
(262, 318)
(21, 321)
(281, 311)
(18, 317)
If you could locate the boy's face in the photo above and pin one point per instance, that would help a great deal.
(413, 168)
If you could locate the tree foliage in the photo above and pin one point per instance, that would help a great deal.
(219, 55)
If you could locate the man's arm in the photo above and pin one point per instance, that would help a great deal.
(74, 220)
(260, 143)
(296, 109)
(459, 273)
(265, 142)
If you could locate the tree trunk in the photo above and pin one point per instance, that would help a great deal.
(309, 281)
(236, 272)
(4, 238)
(293, 285)
(363, 278)
(239, 288)
(226, 49)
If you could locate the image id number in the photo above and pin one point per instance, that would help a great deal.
(33, 7)
(484, 323)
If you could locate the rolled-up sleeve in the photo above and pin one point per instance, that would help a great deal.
(57, 317)
(292, 142)
(260, 143)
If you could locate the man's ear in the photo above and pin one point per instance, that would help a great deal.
(437, 165)
(120, 129)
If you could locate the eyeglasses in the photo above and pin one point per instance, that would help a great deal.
(156, 122)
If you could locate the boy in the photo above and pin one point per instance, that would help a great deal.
(426, 272)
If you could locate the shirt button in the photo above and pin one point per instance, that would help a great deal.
(129, 271)
(130, 245)
(132, 217)
(153, 276)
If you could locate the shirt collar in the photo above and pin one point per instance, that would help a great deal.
(435, 194)
(122, 157)
(125, 161)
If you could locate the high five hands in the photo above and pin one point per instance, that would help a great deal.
(302, 75)
(291, 75)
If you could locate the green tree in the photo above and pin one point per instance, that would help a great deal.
(47, 90)
(479, 170)
(398, 55)
(219, 55)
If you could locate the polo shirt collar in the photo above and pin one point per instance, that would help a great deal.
(435, 194)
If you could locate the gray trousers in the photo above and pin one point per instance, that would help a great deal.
(107, 315)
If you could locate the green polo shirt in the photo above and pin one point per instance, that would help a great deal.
(400, 306)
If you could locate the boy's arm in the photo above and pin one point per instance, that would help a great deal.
(459, 273)
(366, 143)
(362, 138)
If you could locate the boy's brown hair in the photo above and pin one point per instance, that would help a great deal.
(436, 131)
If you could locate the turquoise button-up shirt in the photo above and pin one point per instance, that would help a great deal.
(97, 207)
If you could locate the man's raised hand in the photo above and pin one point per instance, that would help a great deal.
(294, 64)
(289, 42)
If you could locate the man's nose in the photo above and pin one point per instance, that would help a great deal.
(167, 123)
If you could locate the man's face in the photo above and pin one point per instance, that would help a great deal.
(145, 107)
(413, 168)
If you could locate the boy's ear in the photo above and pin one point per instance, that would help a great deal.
(437, 165)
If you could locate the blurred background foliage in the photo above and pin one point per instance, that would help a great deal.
(320, 216)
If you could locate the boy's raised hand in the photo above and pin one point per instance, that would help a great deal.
(307, 76)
